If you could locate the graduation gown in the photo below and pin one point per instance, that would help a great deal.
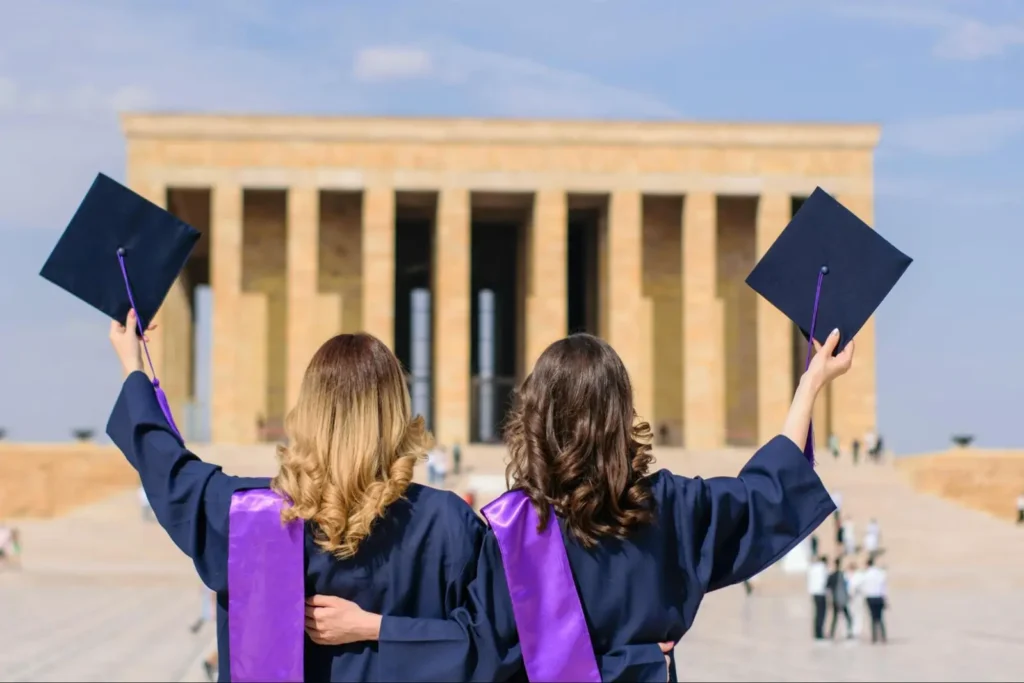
(417, 562)
(418, 559)
(709, 534)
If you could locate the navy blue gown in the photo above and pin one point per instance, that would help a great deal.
(418, 561)
(708, 534)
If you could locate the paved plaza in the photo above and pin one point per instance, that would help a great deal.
(104, 596)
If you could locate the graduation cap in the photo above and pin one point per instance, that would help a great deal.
(121, 252)
(827, 270)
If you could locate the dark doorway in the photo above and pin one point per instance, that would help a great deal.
(582, 270)
(493, 283)
(414, 224)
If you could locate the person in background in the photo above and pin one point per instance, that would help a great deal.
(439, 457)
(879, 449)
(849, 536)
(837, 500)
(857, 607)
(432, 457)
(207, 608)
(457, 459)
(855, 450)
(872, 538)
(840, 537)
(839, 589)
(1020, 509)
(875, 594)
(210, 666)
(10, 547)
(145, 509)
(870, 443)
(817, 585)
(833, 445)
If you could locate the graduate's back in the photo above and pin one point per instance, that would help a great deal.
(419, 559)
(643, 548)
(371, 535)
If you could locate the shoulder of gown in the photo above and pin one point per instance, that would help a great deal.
(191, 499)
(728, 529)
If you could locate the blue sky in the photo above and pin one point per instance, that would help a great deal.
(944, 77)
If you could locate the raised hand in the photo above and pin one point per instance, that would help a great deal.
(126, 343)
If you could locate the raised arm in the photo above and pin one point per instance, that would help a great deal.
(731, 528)
(190, 498)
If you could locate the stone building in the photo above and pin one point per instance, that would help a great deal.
(640, 232)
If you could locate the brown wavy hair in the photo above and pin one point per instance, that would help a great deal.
(575, 442)
(352, 442)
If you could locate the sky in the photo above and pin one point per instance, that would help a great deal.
(945, 78)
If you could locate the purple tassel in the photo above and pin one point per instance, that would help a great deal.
(161, 397)
(165, 407)
(809, 446)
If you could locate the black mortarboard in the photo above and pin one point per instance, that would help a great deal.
(828, 270)
(120, 251)
(156, 246)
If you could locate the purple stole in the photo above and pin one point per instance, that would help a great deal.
(266, 590)
(553, 633)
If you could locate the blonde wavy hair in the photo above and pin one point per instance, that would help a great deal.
(352, 442)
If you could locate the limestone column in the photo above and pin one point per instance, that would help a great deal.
(774, 330)
(170, 345)
(451, 300)
(304, 310)
(703, 326)
(547, 315)
(238, 391)
(853, 396)
(627, 322)
(379, 263)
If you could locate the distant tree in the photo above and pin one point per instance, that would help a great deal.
(3, 433)
(83, 434)
(963, 440)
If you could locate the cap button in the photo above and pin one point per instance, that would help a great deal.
(120, 251)
(824, 270)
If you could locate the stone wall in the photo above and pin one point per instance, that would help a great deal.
(44, 480)
(982, 479)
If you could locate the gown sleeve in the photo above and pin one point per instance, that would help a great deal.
(730, 528)
(190, 498)
(479, 641)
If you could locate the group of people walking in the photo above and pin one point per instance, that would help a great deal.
(872, 444)
(848, 590)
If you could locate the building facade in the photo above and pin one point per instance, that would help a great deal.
(469, 245)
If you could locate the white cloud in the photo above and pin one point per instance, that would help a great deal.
(957, 135)
(390, 63)
(495, 83)
(972, 40)
(960, 37)
(80, 100)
